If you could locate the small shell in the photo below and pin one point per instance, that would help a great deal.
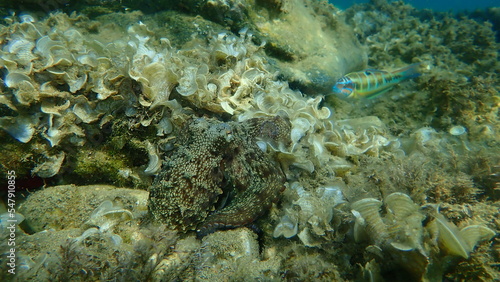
(27, 18)
(187, 83)
(262, 145)
(76, 83)
(307, 239)
(317, 144)
(22, 50)
(108, 215)
(44, 44)
(88, 59)
(265, 102)
(49, 107)
(253, 74)
(359, 230)
(457, 130)
(226, 107)
(299, 128)
(332, 193)
(424, 134)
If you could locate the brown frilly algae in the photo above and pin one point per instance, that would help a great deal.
(219, 164)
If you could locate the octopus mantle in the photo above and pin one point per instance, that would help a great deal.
(217, 176)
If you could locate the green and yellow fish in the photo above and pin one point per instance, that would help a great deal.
(371, 83)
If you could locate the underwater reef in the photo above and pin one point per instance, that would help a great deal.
(199, 140)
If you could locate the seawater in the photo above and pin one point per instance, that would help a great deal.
(441, 5)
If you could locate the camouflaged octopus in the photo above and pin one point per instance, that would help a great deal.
(218, 177)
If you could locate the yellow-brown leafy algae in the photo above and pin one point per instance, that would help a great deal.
(219, 164)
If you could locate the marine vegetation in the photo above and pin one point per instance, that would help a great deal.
(216, 118)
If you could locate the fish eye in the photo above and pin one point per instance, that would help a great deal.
(342, 80)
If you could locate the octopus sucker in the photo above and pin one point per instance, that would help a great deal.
(217, 177)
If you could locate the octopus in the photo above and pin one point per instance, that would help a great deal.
(217, 176)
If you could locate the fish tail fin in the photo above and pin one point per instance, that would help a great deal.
(410, 71)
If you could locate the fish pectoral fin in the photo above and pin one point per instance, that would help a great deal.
(380, 93)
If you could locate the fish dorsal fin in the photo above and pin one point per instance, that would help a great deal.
(370, 71)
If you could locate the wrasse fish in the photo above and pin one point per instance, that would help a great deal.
(371, 83)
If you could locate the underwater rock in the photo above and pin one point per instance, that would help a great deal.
(78, 231)
(305, 40)
(232, 244)
(176, 263)
(234, 255)
(70, 206)
(308, 42)
(218, 165)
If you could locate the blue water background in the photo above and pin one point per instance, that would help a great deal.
(437, 5)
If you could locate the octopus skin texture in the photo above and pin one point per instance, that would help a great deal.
(217, 177)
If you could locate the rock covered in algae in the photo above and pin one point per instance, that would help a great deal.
(68, 206)
(215, 164)
(78, 232)
(222, 255)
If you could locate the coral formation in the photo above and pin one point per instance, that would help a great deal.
(217, 163)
